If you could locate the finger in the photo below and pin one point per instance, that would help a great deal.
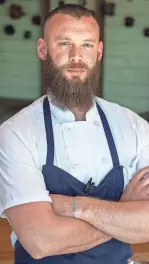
(142, 184)
(146, 176)
(140, 174)
(146, 191)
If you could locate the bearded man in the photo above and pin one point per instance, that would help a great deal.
(73, 167)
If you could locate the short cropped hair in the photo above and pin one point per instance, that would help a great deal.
(74, 10)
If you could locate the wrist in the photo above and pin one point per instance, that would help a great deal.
(80, 208)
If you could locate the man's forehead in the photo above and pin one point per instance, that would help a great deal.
(64, 22)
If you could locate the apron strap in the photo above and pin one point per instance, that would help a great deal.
(108, 133)
(49, 131)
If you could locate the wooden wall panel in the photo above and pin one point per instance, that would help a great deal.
(6, 250)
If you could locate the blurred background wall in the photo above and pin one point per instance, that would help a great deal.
(126, 60)
(20, 68)
(20, 27)
(125, 66)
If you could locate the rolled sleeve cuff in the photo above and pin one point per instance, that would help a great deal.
(18, 201)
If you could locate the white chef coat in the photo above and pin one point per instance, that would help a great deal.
(80, 148)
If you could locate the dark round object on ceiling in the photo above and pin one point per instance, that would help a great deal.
(27, 34)
(2, 2)
(129, 21)
(61, 3)
(146, 32)
(9, 30)
(16, 11)
(36, 20)
(108, 9)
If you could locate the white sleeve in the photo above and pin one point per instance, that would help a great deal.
(20, 179)
(142, 127)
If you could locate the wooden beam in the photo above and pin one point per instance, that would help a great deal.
(100, 18)
(44, 11)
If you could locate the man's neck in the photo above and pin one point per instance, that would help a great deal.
(79, 115)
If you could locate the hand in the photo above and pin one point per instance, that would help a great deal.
(138, 187)
(61, 204)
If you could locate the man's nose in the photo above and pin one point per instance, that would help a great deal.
(76, 54)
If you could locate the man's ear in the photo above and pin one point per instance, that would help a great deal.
(42, 49)
(100, 51)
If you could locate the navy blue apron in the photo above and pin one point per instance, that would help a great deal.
(59, 181)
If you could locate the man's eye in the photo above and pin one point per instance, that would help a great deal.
(66, 43)
(88, 45)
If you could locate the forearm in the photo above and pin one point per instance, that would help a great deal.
(71, 235)
(43, 233)
(125, 221)
(102, 239)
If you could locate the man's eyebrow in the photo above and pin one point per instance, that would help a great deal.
(61, 38)
(90, 40)
(58, 38)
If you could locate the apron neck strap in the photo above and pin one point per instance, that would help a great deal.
(109, 136)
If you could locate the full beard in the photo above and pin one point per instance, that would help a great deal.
(73, 93)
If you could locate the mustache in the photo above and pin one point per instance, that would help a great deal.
(74, 65)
